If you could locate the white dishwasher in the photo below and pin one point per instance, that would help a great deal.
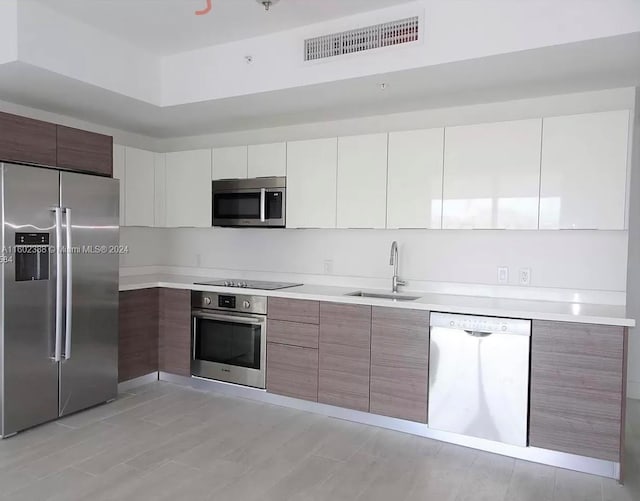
(479, 376)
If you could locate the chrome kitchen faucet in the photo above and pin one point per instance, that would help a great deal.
(393, 261)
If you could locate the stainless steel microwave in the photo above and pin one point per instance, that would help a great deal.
(259, 202)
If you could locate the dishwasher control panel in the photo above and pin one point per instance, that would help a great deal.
(474, 323)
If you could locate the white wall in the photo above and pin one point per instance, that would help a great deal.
(557, 259)
(66, 46)
(567, 104)
(454, 30)
(633, 287)
(8, 31)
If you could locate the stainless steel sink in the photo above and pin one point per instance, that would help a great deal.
(382, 295)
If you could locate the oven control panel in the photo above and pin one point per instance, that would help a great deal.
(229, 302)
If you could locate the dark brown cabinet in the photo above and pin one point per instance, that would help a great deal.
(344, 356)
(175, 331)
(85, 151)
(577, 388)
(292, 371)
(400, 363)
(292, 348)
(26, 140)
(29, 141)
(138, 334)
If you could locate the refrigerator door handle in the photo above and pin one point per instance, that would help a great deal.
(57, 357)
(69, 303)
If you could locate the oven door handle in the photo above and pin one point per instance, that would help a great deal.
(229, 318)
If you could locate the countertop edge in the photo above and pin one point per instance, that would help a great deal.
(449, 308)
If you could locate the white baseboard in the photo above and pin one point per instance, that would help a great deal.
(139, 381)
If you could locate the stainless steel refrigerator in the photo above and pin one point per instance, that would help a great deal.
(58, 294)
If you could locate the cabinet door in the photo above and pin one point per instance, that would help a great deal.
(138, 334)
(119, 173)
(175, 331)
(267, 160)
(577, 388)
(189, 189)
(311, 183)
(292, 371)
(400, 363)
(84, 151)
(414, 184)
(160, 192)
(492, 175)
(139, 187)
(584, 171)
(362, 181)
(230, 163)
(344, 355)
(26, 140)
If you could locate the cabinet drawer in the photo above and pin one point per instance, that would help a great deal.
(293, 333)
(294, 310)
(26, 140)
(292, 371)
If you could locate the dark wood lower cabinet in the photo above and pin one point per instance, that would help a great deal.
(138, 334)
(577, 388)
(292, 371)
(175, 331)
(344, 355)
(400, 363)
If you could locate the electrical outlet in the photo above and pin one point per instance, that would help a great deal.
(524, 278)
(327, 266)
(503, 275)
(198, 260)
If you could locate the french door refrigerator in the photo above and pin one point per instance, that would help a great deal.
(58, 294)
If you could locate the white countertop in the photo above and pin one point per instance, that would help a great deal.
(510, 308)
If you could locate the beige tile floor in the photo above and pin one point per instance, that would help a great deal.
(166, 442)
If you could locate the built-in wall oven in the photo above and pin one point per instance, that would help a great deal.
(229, 337)
(257, 202)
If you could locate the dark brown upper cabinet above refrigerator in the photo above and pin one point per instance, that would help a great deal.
(85, 151)
(25, 140)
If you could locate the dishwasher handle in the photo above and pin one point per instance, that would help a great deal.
(479, 334)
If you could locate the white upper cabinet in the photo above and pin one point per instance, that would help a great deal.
(119, 169)
(267, 160)
(414, 179)
(230, 162)
(139, 187)
(584, 171)
(188, 188)
(311, 183)
(160, 183)
(492, 175)
(362, 181)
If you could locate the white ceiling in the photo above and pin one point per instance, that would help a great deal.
(596, 64)
(171, 26)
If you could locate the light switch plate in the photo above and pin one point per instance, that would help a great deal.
(503, 275)
(327, 266)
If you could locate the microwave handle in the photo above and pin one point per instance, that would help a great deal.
(263, 205)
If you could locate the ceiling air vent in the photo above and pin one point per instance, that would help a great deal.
(371, 37)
